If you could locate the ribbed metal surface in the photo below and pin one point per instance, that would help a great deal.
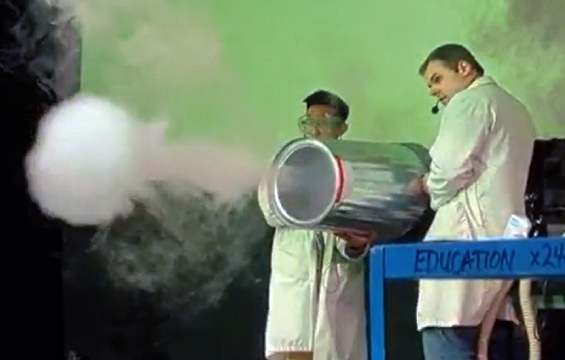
(337, 184)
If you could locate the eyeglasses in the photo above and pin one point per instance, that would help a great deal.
(306, 122)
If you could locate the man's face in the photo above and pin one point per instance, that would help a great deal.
(445, 82)
(320, 121)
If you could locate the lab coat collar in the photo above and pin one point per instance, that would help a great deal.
(483, 80)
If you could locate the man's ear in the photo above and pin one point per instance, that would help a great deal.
(342, 129)
(464, 68)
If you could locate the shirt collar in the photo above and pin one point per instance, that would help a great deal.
(482, 80)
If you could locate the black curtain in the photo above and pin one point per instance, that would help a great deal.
(32, 243)
(104, 323)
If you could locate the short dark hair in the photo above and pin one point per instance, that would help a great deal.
(451, 55)
(323, 97)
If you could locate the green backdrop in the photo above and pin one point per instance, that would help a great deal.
(236, 71)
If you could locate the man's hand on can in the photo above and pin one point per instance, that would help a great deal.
(357, 240)
(418, 186)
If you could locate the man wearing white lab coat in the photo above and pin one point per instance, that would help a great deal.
(477, 180)
(316, 296)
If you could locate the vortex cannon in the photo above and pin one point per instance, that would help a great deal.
(341, 184)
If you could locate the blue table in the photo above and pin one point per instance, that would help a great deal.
(493, 259)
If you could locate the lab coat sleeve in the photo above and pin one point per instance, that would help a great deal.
(457, 151)
(265, 205)
(341, 245)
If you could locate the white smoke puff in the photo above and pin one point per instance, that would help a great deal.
(84, 167)
(227, 172)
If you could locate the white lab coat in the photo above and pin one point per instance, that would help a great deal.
(316, 295)
(477, 180)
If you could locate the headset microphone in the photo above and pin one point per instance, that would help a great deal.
(435, 108)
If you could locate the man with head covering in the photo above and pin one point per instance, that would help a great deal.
(316, 297)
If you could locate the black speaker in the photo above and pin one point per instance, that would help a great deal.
(545, 205)
(545, 191)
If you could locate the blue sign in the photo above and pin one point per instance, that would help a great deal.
(499, 260)
(480, 259)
